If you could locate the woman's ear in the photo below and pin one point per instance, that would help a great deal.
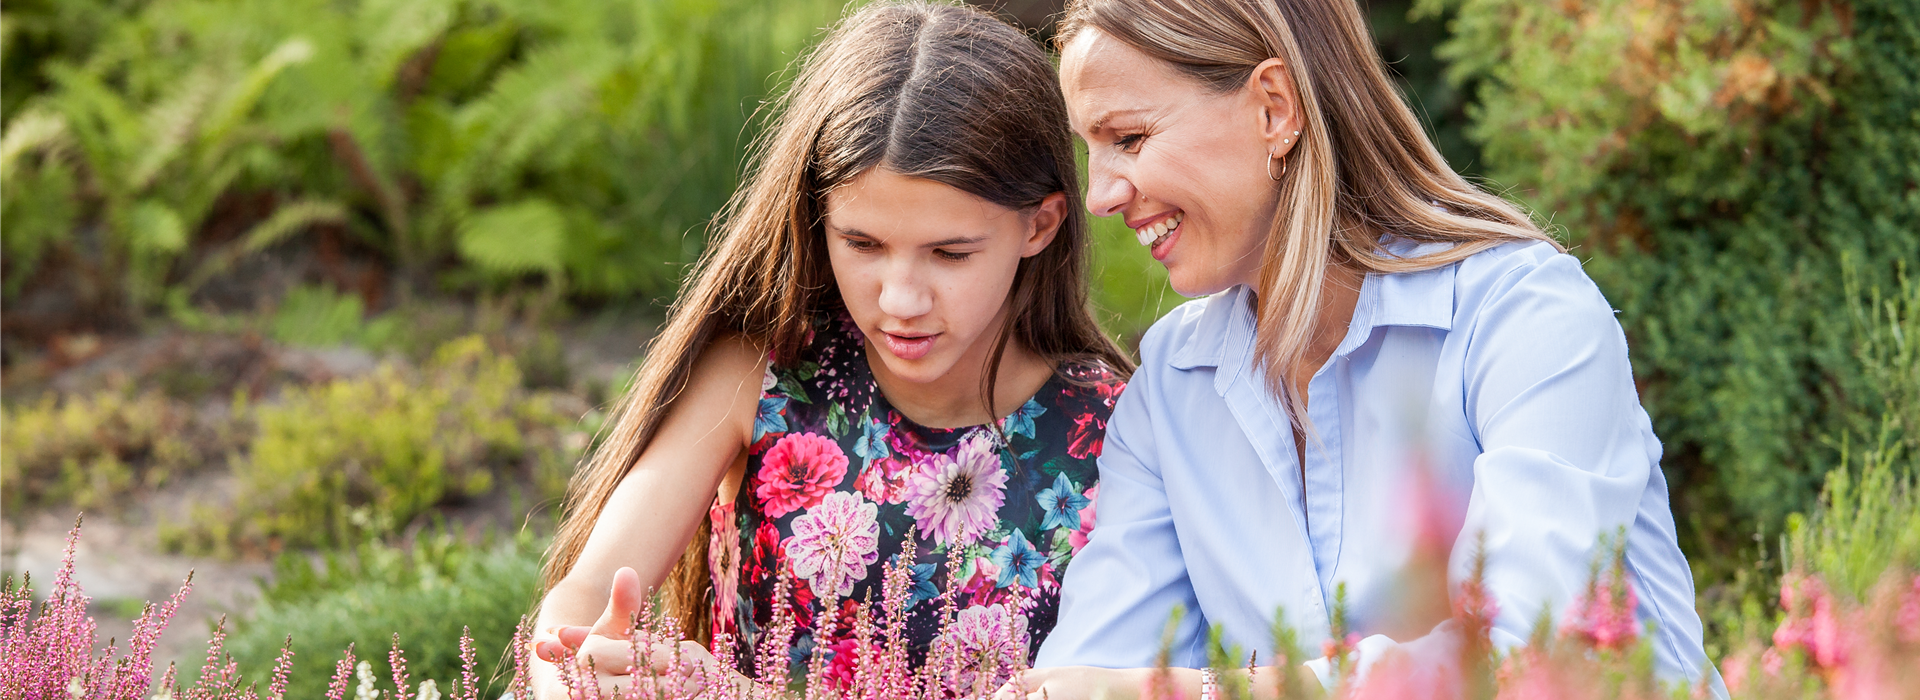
(1043, 223)
(1271, 88)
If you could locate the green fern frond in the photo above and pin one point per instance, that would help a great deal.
(516, 238)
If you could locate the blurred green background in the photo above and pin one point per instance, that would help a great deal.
(375, 264)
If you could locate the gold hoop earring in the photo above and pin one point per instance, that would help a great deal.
(1283, 167)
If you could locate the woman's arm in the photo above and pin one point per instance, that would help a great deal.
(659, 503)
(1120, 589)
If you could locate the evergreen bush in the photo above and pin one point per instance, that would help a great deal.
(1717, 163)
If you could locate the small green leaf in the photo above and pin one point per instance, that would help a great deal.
(836, 420)
(156, 228)
(515, 238)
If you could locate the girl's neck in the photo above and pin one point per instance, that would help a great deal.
(953, 400)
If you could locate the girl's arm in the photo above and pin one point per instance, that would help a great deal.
(654, 511)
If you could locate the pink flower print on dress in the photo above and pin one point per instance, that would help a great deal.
(955, 500)
(1078, 538)
(1086, 437)
(723, 561)
(834, 542)
(885, 480)
(801, 469)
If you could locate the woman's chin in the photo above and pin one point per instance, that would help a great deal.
(1194, 286)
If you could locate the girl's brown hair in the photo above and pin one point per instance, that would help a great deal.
(1363, 166)
(934, 91)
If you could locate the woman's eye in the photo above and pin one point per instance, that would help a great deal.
(862, 246)
(1129, 143)
(952, 256)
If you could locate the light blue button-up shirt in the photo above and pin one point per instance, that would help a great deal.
(1506, 371)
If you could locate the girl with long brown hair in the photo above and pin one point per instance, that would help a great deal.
(886, 355)
(1392, 365)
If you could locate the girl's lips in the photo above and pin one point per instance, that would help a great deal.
(908, 348)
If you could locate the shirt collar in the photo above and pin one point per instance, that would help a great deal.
(1224, 335)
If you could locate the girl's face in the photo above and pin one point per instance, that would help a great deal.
(1186, 167)
(925, 268)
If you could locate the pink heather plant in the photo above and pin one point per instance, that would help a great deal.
(1826, 647)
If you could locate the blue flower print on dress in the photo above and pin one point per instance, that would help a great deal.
(1021, 422)
(872, 444)
(1062, 504)
(772, 417)
(1018, 561)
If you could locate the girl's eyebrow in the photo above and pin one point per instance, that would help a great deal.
(942, 243)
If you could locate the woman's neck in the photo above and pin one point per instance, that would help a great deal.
(953, 400)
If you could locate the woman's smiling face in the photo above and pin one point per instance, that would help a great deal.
(925, 268)
(1186, 167)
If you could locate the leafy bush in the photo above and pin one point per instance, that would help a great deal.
(1718, 162)
(579, 140)
(89, 451)
(427, 592)
(357, 458)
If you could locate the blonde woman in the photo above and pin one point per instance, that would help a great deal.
(1364, 304)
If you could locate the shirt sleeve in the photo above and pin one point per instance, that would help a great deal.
(1566, 453)
(1121, 588)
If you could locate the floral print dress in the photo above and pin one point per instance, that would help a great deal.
(838, 484)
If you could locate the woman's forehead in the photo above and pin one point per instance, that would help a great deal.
(1104, 80)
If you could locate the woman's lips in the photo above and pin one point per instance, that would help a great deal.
(1159, 235)
(1164, 246)
(908, 347)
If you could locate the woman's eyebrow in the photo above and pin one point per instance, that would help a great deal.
(1101, 123)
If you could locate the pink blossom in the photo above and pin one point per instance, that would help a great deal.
(834, 542)
(797, 472)
(1811, 624)
(1604, 616)
(1906, 622)
(986, 643)
(955, 500)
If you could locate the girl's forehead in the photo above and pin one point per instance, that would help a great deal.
(883, 204)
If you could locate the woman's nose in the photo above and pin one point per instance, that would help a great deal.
(1107, 192)
(903, 296)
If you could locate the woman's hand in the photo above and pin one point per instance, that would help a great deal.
(1075, 683)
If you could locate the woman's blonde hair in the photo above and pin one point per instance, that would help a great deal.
(935, 91)
(1363, 165)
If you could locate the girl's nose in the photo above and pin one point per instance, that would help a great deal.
(904, 297)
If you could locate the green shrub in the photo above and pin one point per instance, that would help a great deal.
(426, 592)
(353, 458)
(90, 451)
(1717, 162)
(578, 140)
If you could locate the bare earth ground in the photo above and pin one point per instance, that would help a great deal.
(120, 562)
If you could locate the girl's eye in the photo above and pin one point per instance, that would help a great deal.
(952, 256)
(1129, 143)
(862, 246)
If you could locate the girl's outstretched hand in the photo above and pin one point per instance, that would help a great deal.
(605, 650)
